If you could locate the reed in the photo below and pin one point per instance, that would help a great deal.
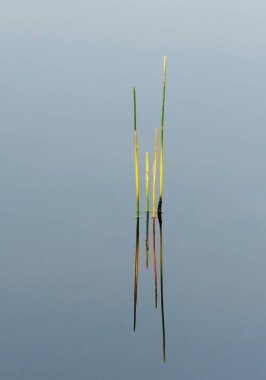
(162, 137)
(147, 209)
(136, 153)
(147, 183)
(154, 174)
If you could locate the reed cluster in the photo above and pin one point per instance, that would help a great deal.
(153, 208)
(159, 208)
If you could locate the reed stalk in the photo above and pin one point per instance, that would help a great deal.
(147, 183)
(154, 174)
(136, 154)
(147, 209)
(162, 136)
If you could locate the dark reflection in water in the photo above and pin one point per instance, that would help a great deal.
(154, 260)
(147, 239)
(154, 268)
(161, 280)
(136, 272)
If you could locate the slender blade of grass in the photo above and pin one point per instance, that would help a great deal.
(154, 174)
(162, 130)
(147, 183)
(136, 154)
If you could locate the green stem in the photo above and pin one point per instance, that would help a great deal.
(162, 129)
(136, 153)
(135, 110)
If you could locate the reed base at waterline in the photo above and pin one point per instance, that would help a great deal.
(159, 209)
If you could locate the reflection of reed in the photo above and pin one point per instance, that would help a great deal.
(147, 239)
(136, 272)
(154, 267)
(161, 280)
(154, 259)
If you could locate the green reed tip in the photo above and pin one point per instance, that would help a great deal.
(135, 112)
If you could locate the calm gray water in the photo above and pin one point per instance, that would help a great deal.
(67, 208)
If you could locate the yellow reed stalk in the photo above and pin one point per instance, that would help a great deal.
(154, 174)
(147, 183)
(136, 170)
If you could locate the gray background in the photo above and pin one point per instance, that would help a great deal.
(67, 188)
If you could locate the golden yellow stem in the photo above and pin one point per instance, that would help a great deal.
(136, 170)
(147, 183)
(154, 174)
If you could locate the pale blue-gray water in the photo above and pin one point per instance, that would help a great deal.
(67, 208)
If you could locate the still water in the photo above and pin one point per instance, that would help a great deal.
(76, 283)
(73, 277)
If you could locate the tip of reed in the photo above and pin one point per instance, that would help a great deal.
(135, 112)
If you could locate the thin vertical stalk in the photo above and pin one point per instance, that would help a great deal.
(154, 174)
(136, 154)
(147, 183)
(147, 209)
(162, 136)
